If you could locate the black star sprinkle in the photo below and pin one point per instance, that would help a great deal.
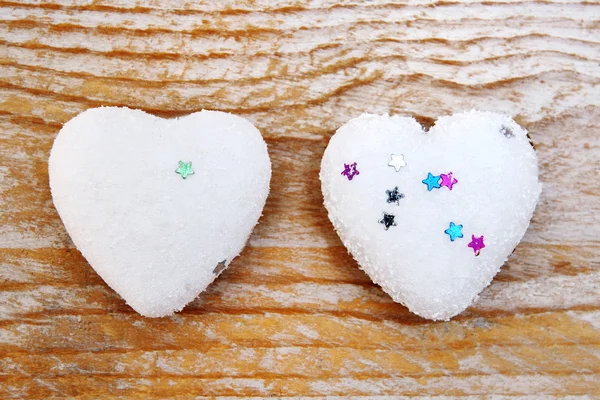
(220, 267)
(387, 220)
(394, 196)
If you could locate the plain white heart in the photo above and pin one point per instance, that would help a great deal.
(157, 238)
(414, 260)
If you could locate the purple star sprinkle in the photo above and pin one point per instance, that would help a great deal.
(476, 244)
(350, 171)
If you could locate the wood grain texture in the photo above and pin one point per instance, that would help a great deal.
(294, 316)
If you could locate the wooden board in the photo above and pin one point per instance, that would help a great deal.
(294, 316)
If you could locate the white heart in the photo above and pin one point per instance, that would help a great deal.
(156, 238)
(415, 261)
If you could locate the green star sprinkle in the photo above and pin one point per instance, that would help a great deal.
(185, 169)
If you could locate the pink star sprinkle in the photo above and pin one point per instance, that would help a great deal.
(448, 180)
(476, 244)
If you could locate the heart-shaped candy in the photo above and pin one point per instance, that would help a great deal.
(431, 216)
(159, 207)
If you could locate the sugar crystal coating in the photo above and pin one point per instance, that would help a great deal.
(155, 238)
(493, 198)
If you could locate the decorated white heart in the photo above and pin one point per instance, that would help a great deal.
(156, 228)
(402, 237)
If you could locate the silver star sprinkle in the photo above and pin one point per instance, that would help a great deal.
(220, 267)
(507, 132)
(397, 162)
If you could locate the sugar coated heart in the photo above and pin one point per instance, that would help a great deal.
(159, 207)
(431, 216)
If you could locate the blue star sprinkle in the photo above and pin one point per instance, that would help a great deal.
(394, 196)
(432, 181)
(455, 231)
(387, 220)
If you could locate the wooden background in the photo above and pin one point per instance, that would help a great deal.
(294, 316)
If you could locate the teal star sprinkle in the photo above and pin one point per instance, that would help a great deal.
(455, 231)
(432, 181)
(185, 169)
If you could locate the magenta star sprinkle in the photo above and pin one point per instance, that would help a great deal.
(350, 171)
(448, 180)
(476, 244)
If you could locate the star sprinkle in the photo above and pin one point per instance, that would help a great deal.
(394, 196)
(448, 180)
(507, 132)
(220, 267)
(432, 181)
(476, 244)
(350, 171)
(387, 220)
(455, 231)
(185, 169)
(397, 162)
